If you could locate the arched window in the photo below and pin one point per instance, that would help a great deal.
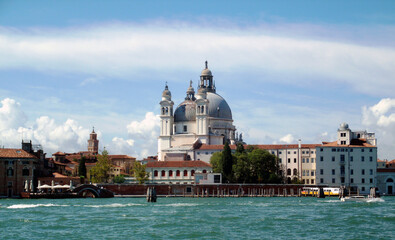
(167, 109)
(10, 172)
(178, 173)
(390, 180)
(193, 173)
(171, 173)
(185, 173)
(163, 173)
(198, 109)
(155, 173)
(163, 111)
(288, 171)
(202, 109)
(25, 172)
(295, 171)
(204, 171)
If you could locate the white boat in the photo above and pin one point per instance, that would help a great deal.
(354, 199)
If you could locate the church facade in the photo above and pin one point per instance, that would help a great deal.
(202, 118)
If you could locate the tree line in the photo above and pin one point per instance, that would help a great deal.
(246, 166)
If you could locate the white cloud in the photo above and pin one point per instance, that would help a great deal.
(11, 115)
(288, 139)
(380, 118)
(134, 50)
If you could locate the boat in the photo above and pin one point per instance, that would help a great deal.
(355, 199)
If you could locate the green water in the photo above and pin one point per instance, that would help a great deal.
(196, 218)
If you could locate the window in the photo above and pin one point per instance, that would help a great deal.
(185, 173)
(333, 149)
(312, 173)
(163, 173)
(294, 152)
(362, 150)
(371, 180)
(217, 178)
(170, 173)
(342, 157)
(185, 128)
(322, 171)
(342, 143)
(371, 171)
(302, 152)
(10, 172)
(178, 173)
(342, 179)
(280, 152)
(370, 150)
(370, 159)
(288, 171)
(351, 158)
(303, 160)
(307, 181)
(193, 173)
(321, 180)
(352, 180)
(294, 160)
(363, 189)
(312, 181)
(204, 171)
(155, 173)
(25, 162)
(321, 149)
(363, 180)
(289, 152)
(363, 159)
(304, 172)
(295, 171)
(307, 160)
(333, 171)
(351, 150)
(333, 159)
(321, 158)
(279, 160)
(272, 152)
(307, 173)
(312, 160)
(289, 160)
(363, 171)
(342, 170)
(25, 172)
(351, 171)
(333, 180)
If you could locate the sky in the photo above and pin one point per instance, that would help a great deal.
(289, 70)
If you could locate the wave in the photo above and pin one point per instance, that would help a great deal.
(113, 205)
(21, 206)
(376, 200)
(181, 205)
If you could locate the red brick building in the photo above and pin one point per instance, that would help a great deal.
(16, 166)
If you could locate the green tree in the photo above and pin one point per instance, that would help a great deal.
(119, 179)
(99, 173)
(240, 148)
(264, 166)
(139, 172)
(227, 163)
(215, 162)
(82, 167)
(241, 168)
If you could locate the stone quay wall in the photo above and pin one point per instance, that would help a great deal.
(207, 190)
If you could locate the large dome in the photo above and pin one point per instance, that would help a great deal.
(186, 111)
(218, 107)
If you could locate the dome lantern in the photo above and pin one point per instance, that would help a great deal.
(206, 79)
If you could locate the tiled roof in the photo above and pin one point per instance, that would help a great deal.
(59, 153)
(354, 143)
(262, 146)
(177, 164)
(121, 157)
(15, 153)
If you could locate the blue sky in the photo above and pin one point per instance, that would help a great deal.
(288, 69)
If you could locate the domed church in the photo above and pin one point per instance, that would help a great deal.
(202, 118)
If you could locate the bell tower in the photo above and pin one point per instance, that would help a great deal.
(166, 122)
(93, 143)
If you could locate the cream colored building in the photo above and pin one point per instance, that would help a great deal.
(204, 118)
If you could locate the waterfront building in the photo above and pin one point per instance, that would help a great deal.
(350, 161)
(17, 167)
(204, 118)
(176, 172)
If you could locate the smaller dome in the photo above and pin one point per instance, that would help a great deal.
(206, 71)
(343, 126)
(190, 89)
(166, 94)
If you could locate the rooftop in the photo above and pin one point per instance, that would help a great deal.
(15, 153)
(177, 164)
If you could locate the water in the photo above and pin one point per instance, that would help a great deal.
(196, 218)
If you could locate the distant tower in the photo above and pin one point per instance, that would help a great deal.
(93, 143)
(166, 121)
